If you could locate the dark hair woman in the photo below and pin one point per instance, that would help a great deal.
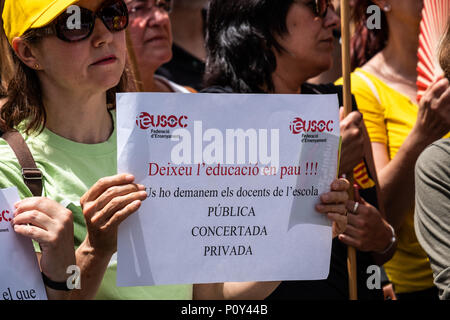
(400, 127)
(273, 46)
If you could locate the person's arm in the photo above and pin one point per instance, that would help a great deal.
(332, 203)
(92, 264)
(109, 202)
(51, 225)
(396, 177)
(352, 149)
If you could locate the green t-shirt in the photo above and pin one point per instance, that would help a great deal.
(69, 169)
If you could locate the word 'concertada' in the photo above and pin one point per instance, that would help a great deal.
(228, 231)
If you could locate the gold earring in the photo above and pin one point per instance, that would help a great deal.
(36, 66)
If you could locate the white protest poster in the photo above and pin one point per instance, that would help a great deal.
(232, 181)
(20, 276)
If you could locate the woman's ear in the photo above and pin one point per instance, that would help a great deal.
(25, 53)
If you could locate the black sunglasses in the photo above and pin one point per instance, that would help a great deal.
(113, 13)
(319, 7)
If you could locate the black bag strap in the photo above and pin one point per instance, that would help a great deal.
(32, 176)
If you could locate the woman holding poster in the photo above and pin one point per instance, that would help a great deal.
(58, 100)
(270, 46)
(62, 101)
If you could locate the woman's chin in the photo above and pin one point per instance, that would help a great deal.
(107, 78)
(155, 57)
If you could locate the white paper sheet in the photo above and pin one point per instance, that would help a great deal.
(189, 230)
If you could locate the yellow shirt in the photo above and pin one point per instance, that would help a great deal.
(389, 117)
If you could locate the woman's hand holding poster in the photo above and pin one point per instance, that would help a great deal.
(21, 278)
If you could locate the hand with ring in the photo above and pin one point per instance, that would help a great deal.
(333, 204)
(366, 229)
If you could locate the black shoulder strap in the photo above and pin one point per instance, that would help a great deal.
(32, 176)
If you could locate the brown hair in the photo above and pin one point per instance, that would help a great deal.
(366, 42)
(444, 55)
(24, 95)
(5, 58)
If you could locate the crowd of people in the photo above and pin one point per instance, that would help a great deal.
(57, 112)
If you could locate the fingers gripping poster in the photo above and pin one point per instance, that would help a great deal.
(232, 182)
(21, 278)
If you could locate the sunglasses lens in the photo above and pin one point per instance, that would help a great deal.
(72, 28)
(69, 29)
(115, 15)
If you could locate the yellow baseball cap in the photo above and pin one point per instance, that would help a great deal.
(21, 15)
